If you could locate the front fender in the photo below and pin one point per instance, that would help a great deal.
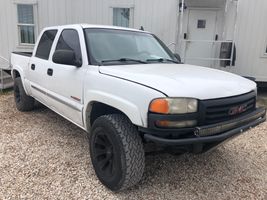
(127, 107)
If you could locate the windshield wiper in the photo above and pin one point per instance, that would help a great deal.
(161, 60)
(124, 60)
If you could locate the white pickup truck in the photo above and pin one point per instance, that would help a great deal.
(126, 89)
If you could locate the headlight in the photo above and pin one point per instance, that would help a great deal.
(173, 105)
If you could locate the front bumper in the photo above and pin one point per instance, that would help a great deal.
(215, 133)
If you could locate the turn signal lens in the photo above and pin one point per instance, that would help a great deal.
(175, 124)
(174, 105)
(159, 106)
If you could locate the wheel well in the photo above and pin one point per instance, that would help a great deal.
(16, 74)
(98, 109)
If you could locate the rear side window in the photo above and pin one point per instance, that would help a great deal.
(69, 40)
(45, 44)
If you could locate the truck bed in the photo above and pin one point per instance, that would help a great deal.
(28, 54)
(21, 59)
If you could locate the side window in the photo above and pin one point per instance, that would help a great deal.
(45, 44)
(121, 17)
(26, 23)
(69, 40)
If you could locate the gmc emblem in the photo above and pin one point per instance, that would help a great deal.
(237, 109)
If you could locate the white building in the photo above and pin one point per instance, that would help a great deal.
(201, 31)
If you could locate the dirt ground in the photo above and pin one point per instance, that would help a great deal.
(43, 156)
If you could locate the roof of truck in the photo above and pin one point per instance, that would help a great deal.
(95, 26)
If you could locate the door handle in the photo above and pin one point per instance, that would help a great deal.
(50, 72)
(33, 66)
(185, 36)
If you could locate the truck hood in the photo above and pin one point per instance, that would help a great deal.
(182, 80)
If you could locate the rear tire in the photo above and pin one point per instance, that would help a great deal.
(117, 152)
(23, 101)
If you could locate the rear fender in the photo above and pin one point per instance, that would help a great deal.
(25, 83)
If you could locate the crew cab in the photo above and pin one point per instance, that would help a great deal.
(127, 89)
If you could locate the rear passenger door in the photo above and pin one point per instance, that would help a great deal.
(65, 82)
(38, 66)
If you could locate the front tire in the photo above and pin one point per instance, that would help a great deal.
(23, 101)
(117, 152)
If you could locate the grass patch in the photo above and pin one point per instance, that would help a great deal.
(262, 102)
(6, 91)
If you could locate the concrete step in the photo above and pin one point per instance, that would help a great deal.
(7, 80)
(6, 85)
(6, 76)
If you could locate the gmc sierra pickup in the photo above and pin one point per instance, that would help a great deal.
(126, 89)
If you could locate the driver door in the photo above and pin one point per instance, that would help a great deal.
(65, 82)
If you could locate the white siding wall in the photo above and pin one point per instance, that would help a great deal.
(8, 34)
(251, 39)
(157, 16)
(229, 21)
(205, 3)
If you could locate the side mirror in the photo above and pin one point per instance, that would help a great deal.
(177, 56)
(66, 57)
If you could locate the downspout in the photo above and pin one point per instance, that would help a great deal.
(181, 19)
(179, 27)
(235, 31)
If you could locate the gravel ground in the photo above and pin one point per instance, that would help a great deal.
(43, 156)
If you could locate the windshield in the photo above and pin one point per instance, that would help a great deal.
(109, 46)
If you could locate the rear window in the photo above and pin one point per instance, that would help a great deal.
(45, 44)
